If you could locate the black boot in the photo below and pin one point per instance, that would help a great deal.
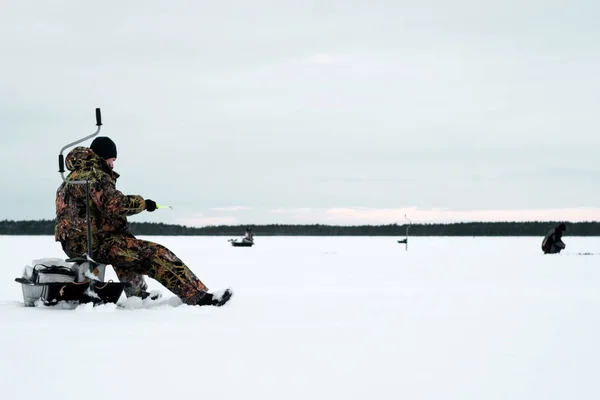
(219, 299)
(214, 299)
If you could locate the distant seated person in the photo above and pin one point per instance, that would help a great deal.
(553, 243)
(249, 238)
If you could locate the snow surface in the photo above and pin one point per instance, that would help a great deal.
(322, 318)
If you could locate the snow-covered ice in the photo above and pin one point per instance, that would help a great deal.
(322, 318)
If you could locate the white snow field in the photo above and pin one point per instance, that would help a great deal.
(322, 318)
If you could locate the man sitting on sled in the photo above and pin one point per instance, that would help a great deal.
(249, 238)
(112, 242)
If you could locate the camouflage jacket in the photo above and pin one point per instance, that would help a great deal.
(109, 207)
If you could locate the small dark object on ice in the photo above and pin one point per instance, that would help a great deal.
(242, 243)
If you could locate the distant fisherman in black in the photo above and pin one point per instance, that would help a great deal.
(249, 238)
(553, 243)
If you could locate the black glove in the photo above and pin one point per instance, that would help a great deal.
(150, 205)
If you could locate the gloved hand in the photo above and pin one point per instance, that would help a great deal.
(150, 205)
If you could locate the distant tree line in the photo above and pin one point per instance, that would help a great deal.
(46, 227)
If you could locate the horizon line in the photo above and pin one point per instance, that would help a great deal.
(334, 224)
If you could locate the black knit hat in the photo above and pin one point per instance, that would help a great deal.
(104, 147)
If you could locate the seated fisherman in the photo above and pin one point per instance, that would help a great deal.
(249, 238)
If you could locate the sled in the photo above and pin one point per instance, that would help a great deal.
(51, 281)
(236, 243)
(50, 294)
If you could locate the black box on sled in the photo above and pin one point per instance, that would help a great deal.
(53, 280)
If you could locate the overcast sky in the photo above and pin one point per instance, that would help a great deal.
(344, 111)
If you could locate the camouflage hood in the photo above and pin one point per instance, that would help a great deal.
(83, 159)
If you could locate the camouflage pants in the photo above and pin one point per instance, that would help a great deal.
(133, 258)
